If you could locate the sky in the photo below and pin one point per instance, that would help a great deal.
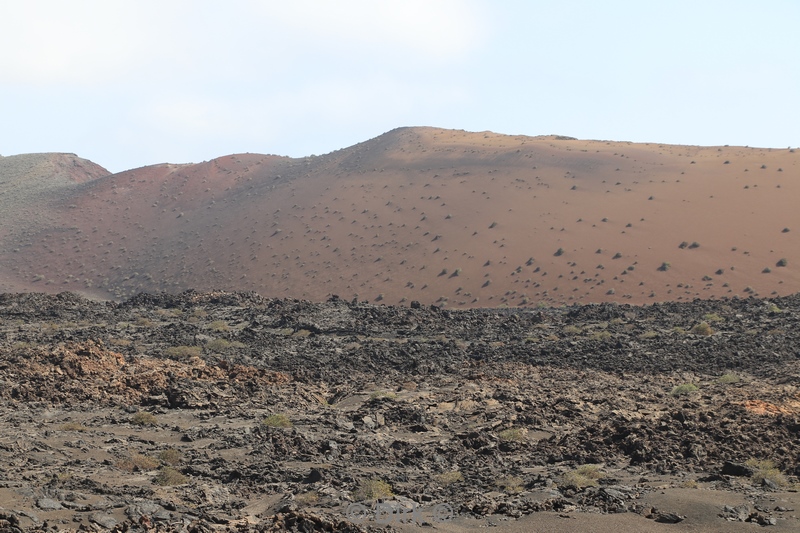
(133, 83)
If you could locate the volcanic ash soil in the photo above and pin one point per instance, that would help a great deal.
(234, 412)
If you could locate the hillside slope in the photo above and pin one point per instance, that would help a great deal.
(439, 216)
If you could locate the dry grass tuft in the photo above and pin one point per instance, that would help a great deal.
(169, 477)
(170, 456)
(448, 478)
(372, 489)
(765, 470)
(277, 421)
(143, 418)
(72, 426)
(683, 390)
(582, 477)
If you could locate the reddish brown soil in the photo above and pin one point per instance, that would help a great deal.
(439, 216)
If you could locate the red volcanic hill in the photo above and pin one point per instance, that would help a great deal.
(443, 217)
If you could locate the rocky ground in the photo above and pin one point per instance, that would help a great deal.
(233, 412)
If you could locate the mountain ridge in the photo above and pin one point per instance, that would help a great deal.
(444, 217)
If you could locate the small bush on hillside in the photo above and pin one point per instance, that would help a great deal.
(219, 325)
(144, 322)
(170, 456)
(143, 418)
(582, 477)
(448, 478)
(382, 394)
(184, 351)
(138, 463)
(765, 470)
(169, 477)
(307, 498)
(511, 435)
(682, 390)
(702, 329)
(601, 336)
(372, 489)
(782, 262)
(729, 378)
(664, 266)
(217, 345)
(277, 421)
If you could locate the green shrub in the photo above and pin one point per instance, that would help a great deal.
(448, 478)
(582, 477)
(702, 329)
(184, 351)
(143, 418)
(765, 470)
(277, 421)
(729, 378)
(512, 435)
(782, 262)
(372, 489)
(169, 477)
(170, 456)
(382, 394)
(138, 463)
(218, 345)
(601, 335)
(120, 342)
(682, 390)
(307, 498)
(713, 317)
(219, 325)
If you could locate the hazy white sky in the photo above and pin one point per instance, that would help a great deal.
(137, 82)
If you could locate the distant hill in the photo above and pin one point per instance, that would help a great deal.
(439, 216)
